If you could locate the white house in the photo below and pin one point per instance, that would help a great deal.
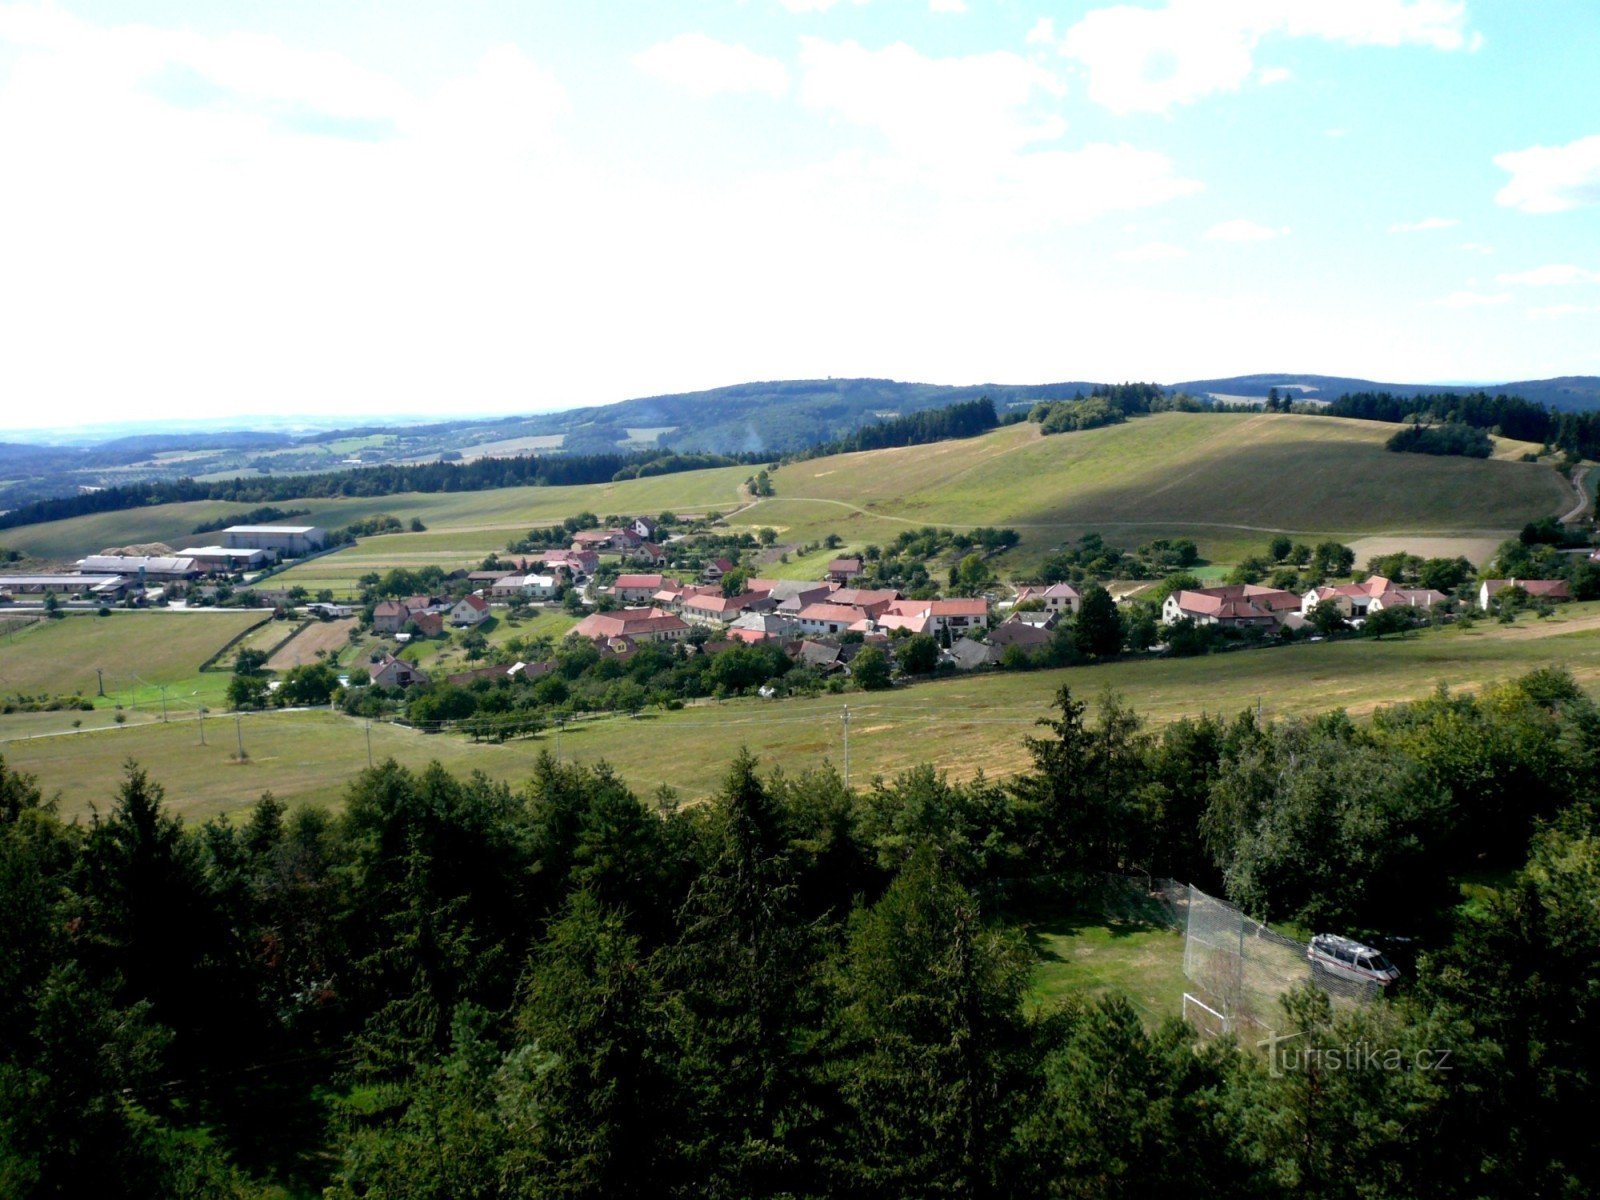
(469, 611)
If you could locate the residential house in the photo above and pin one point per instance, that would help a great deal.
(1020, 633)
(533, 587)
(645, 528)
(1538, 589)
(487, 579)
(390, 616)
(819, 656)
(595, 540)
(969, 655)
(646, 554)
(390, 671)
(873, 602)
(718, 609)
(1352, 599)
(469, 612)
(635, 624)
(429, 622)
(1423, 598)
(1237, 605)
(763, 626)
(828, 618)
(717, 568)
(843, 570)
(632, 589)
(791, 595)
(573, 562)
(936, 616)
(1056, 598)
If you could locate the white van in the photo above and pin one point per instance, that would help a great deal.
(1343, 958)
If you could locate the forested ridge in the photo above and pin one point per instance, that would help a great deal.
(456, 988)
(548, 470)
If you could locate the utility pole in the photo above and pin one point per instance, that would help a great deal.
(163, 705)
(238, 730)
(559, 724)
(100, 675)
(847, 745)
(202, 715)
(369, 743)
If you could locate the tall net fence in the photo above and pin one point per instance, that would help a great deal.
(1238, 969)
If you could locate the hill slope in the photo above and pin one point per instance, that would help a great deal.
(1224, 479)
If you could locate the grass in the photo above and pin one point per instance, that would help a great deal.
(1227, 480)
(139, 653)
(1093, 956)
(466, 523)
(963, 725)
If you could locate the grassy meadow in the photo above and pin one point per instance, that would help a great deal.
(138, 652)
(1228, 480)
(963, 725)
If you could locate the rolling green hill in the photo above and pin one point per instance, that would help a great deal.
(1227, 480)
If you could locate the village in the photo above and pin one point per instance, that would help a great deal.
(641, 598)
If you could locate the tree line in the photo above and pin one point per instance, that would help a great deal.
(966, 419)
(455, 987)
(1510, 416)
(549, 470)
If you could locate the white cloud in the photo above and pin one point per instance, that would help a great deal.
(800, 6)
(704, 66)
(1426, 225)
(1242, 230)
(981, 131)
(1477, 248)
(1555, 274)
(1148, 60)
(932, 107)
(1552, 179)
(1043, 33)
(1473, 299)
(1268, 76)
(947, 6)
(1557, 311)
(1151, 252)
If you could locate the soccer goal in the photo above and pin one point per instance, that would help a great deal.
(1203, 1017)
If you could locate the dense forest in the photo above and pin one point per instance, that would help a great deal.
(1451, 438)
(967, 419)
(456, 988)
(1578, 433)
(550, 470)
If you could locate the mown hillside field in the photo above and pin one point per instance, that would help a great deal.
(1224, 479)
(962, 725)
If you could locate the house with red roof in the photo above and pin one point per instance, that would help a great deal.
(1538, 589)
(1236, 605)
(1056, 598)
(469, 611)
(634, 624)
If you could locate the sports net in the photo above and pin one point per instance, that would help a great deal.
(1238, 970)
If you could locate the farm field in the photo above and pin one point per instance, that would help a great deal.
(963, 725)
(329, 637)
(472, 522)
(1227, 480)
(139, 653)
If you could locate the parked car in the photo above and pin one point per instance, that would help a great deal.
(1345, 958)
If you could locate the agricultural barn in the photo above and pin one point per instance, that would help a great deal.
(224, 560)
(153, 568)
(97, 585)
(293, 540)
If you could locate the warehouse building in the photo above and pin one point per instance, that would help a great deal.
(291, 540)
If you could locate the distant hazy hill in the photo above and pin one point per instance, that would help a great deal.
(775, 417)
(1573, 393)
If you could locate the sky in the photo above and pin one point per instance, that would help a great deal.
(387, 208)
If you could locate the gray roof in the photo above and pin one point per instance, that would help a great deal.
(272, 529)
(221, 551)
(969, 654)
(64, 577)
(133, 563)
